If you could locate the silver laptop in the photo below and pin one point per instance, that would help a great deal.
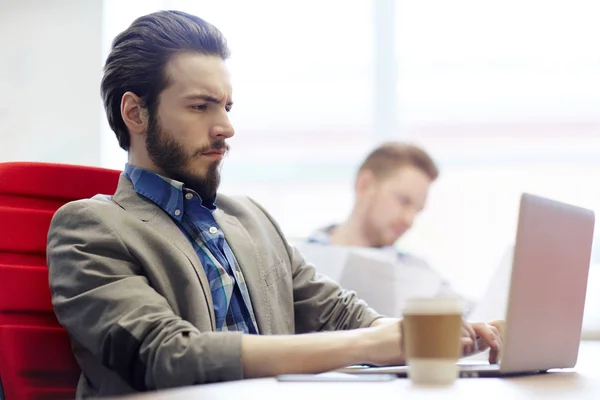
(547, 291)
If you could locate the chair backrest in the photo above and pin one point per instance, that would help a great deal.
(36, 361)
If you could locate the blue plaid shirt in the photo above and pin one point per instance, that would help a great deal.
(231, 300)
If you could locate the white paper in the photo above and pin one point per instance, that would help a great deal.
(374, 280)
(494, 302)
(329, 260)
(376, 275)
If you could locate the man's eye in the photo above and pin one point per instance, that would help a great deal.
(228, 109)
(199, 107)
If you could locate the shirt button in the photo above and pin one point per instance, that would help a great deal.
(189, 196)
(177, 212)
(213, 230)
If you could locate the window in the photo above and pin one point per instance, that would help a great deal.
(303, 90)
(505, 95)
(507, 98)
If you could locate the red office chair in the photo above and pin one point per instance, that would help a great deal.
(36, 361)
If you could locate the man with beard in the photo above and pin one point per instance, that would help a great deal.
(168, 284)
(390, 190)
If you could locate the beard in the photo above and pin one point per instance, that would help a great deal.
(374, 231)
(169, 155)
(375, 235)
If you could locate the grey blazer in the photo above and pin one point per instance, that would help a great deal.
(130, 290)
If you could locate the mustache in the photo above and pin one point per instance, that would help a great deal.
(216, 145)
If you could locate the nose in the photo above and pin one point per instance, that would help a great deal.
(222, 128)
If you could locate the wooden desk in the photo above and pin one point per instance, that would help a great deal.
(581, 383)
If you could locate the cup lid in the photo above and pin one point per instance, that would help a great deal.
(434, 305)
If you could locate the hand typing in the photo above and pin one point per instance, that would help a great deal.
(479, 336)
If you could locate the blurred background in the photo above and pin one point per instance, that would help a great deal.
(505, 95)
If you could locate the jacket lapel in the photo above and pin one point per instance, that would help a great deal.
(247, 255)
(153, 216)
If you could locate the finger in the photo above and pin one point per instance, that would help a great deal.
(499, 325)
(469, 332)
(489, 334)
(481, 344)
(469, 329)
(494, 356)
(467, 346)
(466, 334)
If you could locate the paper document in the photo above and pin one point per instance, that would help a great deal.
(376, 275)
(493, 303)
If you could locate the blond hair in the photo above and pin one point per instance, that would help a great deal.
(388, 157)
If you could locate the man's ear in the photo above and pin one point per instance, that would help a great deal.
(364, 181)
(133, 114)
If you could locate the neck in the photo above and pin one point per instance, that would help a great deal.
(143, 161)
(350, 232)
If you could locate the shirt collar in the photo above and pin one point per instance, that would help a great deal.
(323, 236)
(166, 193)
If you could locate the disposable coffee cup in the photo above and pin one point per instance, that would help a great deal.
(431, 330)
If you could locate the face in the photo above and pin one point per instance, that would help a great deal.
(392, 203)
(185, 138)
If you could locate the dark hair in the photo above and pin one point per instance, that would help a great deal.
(139, 54)
(388, 157)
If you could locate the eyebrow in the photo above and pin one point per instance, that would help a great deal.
(208, 98)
